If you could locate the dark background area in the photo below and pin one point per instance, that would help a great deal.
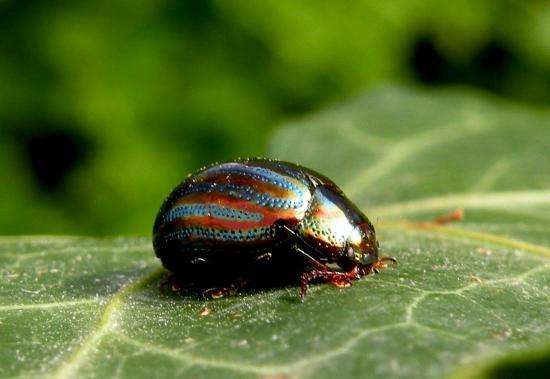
(105, 106)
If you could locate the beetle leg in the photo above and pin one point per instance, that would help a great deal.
(198, 260)
(175, 283)
(218, 292)
(265, 256)
(231, 289)
(391, 259)
(376, 266)
(305, 279)
(339, 279)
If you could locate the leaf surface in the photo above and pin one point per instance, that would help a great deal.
(461, 292)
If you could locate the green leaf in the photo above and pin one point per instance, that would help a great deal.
(461, 293)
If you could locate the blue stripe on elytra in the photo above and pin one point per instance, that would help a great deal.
(293, 173)
(254, 234)
(246, 193)
(218, 211)
(258, 173)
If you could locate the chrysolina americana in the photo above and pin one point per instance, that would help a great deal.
(259, 220)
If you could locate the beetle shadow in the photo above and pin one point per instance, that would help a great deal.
(176, 287)
(215, 282)
(229, 274)
(198, 285)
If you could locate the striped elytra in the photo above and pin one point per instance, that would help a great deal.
(255, 218)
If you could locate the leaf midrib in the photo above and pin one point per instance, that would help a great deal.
(430, 227)
(105, 324)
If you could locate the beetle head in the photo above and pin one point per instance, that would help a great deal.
(361, 245)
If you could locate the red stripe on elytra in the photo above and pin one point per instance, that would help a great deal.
(228, 201)
(216, 223)
(269, 218)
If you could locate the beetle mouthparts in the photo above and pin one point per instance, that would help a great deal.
(392, 259)
(376, 266)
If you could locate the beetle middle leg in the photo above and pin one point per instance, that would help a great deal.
(229, 289)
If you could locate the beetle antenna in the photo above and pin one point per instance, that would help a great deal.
(297, 236)
(304, 253)
(314, 261)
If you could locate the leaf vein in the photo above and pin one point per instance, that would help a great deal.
(198, 361)
(105, 325)
(17, 307)
(405, 149)
(431, 228)
(486, 200)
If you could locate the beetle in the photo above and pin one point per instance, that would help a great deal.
(254, 219)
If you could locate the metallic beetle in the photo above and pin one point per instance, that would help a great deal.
(263, 218)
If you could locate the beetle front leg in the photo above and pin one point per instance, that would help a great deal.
(338, 279)
(322, 271)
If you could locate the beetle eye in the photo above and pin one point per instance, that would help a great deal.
(350, 253)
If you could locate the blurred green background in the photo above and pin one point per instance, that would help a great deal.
(106, 105)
